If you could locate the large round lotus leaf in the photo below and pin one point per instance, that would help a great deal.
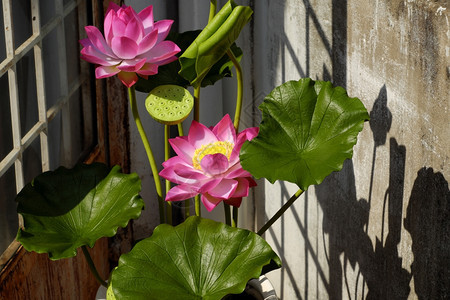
(198, 259)
(68, 208)
(308, 129)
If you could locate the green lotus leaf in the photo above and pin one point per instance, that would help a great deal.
(198, 259)
(213, 42)
(307, 131)
(69, 208)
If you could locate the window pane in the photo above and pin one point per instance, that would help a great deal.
(26, 80)
(21, 21)
(6, 143)
(66, 95)
(8, 216)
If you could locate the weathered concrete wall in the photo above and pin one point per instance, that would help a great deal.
(380, 228)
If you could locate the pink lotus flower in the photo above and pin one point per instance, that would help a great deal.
(132, 44)
(208, 164)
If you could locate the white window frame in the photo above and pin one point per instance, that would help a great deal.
(45, 115)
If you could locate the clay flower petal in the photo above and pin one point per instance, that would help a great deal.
(132, 44)
(207, 163)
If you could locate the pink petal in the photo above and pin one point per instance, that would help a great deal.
(180, 192)
(200, 135)
(91, 50)
(210, 202)
(148, 42)
(163, 27)
(236, 172)
(203, 186)
(234, 201)
(224, 189)
(183, 148)
(146, 16)
(98, 40)
(128, 78)
(190, 172)
(108, 24)
(134, 29)
(126, 13)
(118, 27)
(242, 188)
(214, 164)
(245, 135)
(174, 161)
(105, 71)
(176, 170)
(132, 65)
(224, 130)
(91, 55)
(166, 61)
(124, 47)
(162, 51)
(148, 69)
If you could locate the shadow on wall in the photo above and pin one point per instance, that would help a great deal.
(428, 222)
(346, 220)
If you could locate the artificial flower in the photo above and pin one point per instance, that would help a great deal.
(207, 163)
(133, 44)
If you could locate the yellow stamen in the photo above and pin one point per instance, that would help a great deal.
(221, 147)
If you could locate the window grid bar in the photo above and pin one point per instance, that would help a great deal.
(13, 93)
(8, 161)
(35, 38)
(8, 65)
(40, 86)
(66, 116)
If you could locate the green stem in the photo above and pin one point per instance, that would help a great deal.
(227, 214)
(240, 89)
(197, 103)
(234, 222)
(166, 157)
(180, 129)
(148, 150)
(198, 210)
(92, 266)
(187, 205)
(212, 10)
(280, 212)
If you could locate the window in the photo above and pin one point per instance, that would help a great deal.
(47, 110)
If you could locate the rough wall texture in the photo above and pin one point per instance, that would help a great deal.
(380, 228)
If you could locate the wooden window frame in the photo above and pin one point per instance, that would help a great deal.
(28, 275)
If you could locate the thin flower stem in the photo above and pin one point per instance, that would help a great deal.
(234, 222)
(180, 129)
(148, 150)
(187, 204)
(227, 213)
(166, 157)
(240, 89)
(237, 114)
(212, 10)
(280, 212)
(197, 103)
(92, 266)
(198, 210)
